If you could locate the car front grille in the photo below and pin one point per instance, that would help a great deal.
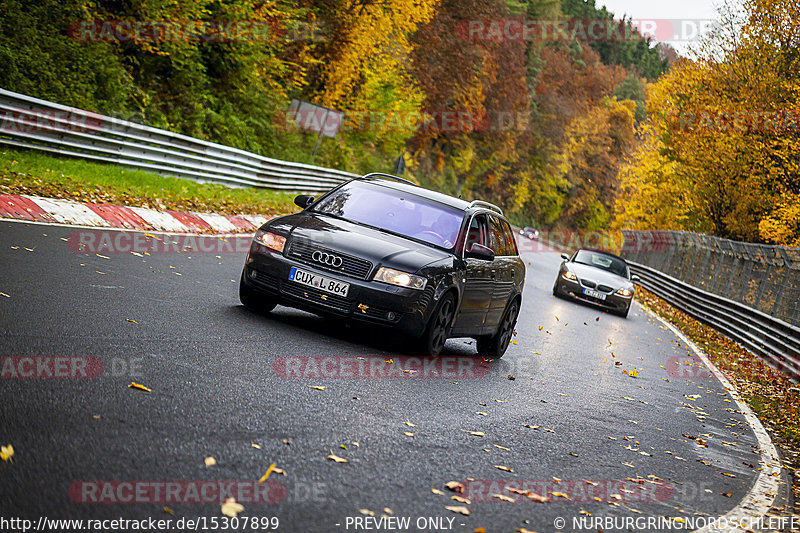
(354, 267)
(605, 288)
(316, 296)
(264, 279)
(587, 283)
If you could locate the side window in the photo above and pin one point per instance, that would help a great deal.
(511, 244)
(497, 241)
(477, 232)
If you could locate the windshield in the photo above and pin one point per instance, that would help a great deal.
(600, 260)
(396, 211)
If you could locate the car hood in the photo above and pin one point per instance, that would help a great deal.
(379, 247)
(599, 275)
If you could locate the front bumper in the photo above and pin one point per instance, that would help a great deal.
(406, 310)
(574, 290)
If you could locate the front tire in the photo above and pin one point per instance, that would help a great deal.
(255, 302)
(496, 345)
(439, 325)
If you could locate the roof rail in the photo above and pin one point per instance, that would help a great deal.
(387, 176)
(481, 203)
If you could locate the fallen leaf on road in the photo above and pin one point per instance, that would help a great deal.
(535, 497)
(729, 475)
(287, 442)
(367, 512)
(523, 530)
(337, 459)
(210, 461)
(504, 498)
(501, 447)
(231, 508)
(409, 424)
(168, 510)
(503, 468)
(6, 452)
(461, 499)
(455, 486)
(457, 509)
(474, 433)
(272, 468)
(131, 320)
(135, 385)
(315, 387)
(408, 434)
(481, 413)
(5, 295)
(254, 445)
(437, 491)
(541, 328)
(632, 373)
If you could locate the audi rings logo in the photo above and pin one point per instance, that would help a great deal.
(327, 259)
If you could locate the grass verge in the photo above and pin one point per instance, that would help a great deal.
(34, 173)
(769, 393)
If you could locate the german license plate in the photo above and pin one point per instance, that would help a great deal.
(594, 294)
(319, 282)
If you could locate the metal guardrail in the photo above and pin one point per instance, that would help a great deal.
(31, 123)
(760, 276)
(698, 273)
(775, 341)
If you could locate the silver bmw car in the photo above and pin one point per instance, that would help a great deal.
(596, 277)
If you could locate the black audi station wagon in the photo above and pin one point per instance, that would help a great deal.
(383, 250)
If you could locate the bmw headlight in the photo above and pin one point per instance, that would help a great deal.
(271, 240)
(400, 278)
(627, 293)
(568, 274)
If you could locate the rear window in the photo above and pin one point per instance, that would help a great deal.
(396, 211)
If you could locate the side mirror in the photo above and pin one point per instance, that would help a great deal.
(565, 257)
(480, 252)
(304, 200)
(635, 278)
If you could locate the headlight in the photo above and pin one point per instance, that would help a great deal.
(627, 293)
(569, 275)
(400, 278)
(271, 240)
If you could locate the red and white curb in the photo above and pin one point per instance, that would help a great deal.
(57, 211)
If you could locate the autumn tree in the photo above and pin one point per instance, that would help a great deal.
(722, 141)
